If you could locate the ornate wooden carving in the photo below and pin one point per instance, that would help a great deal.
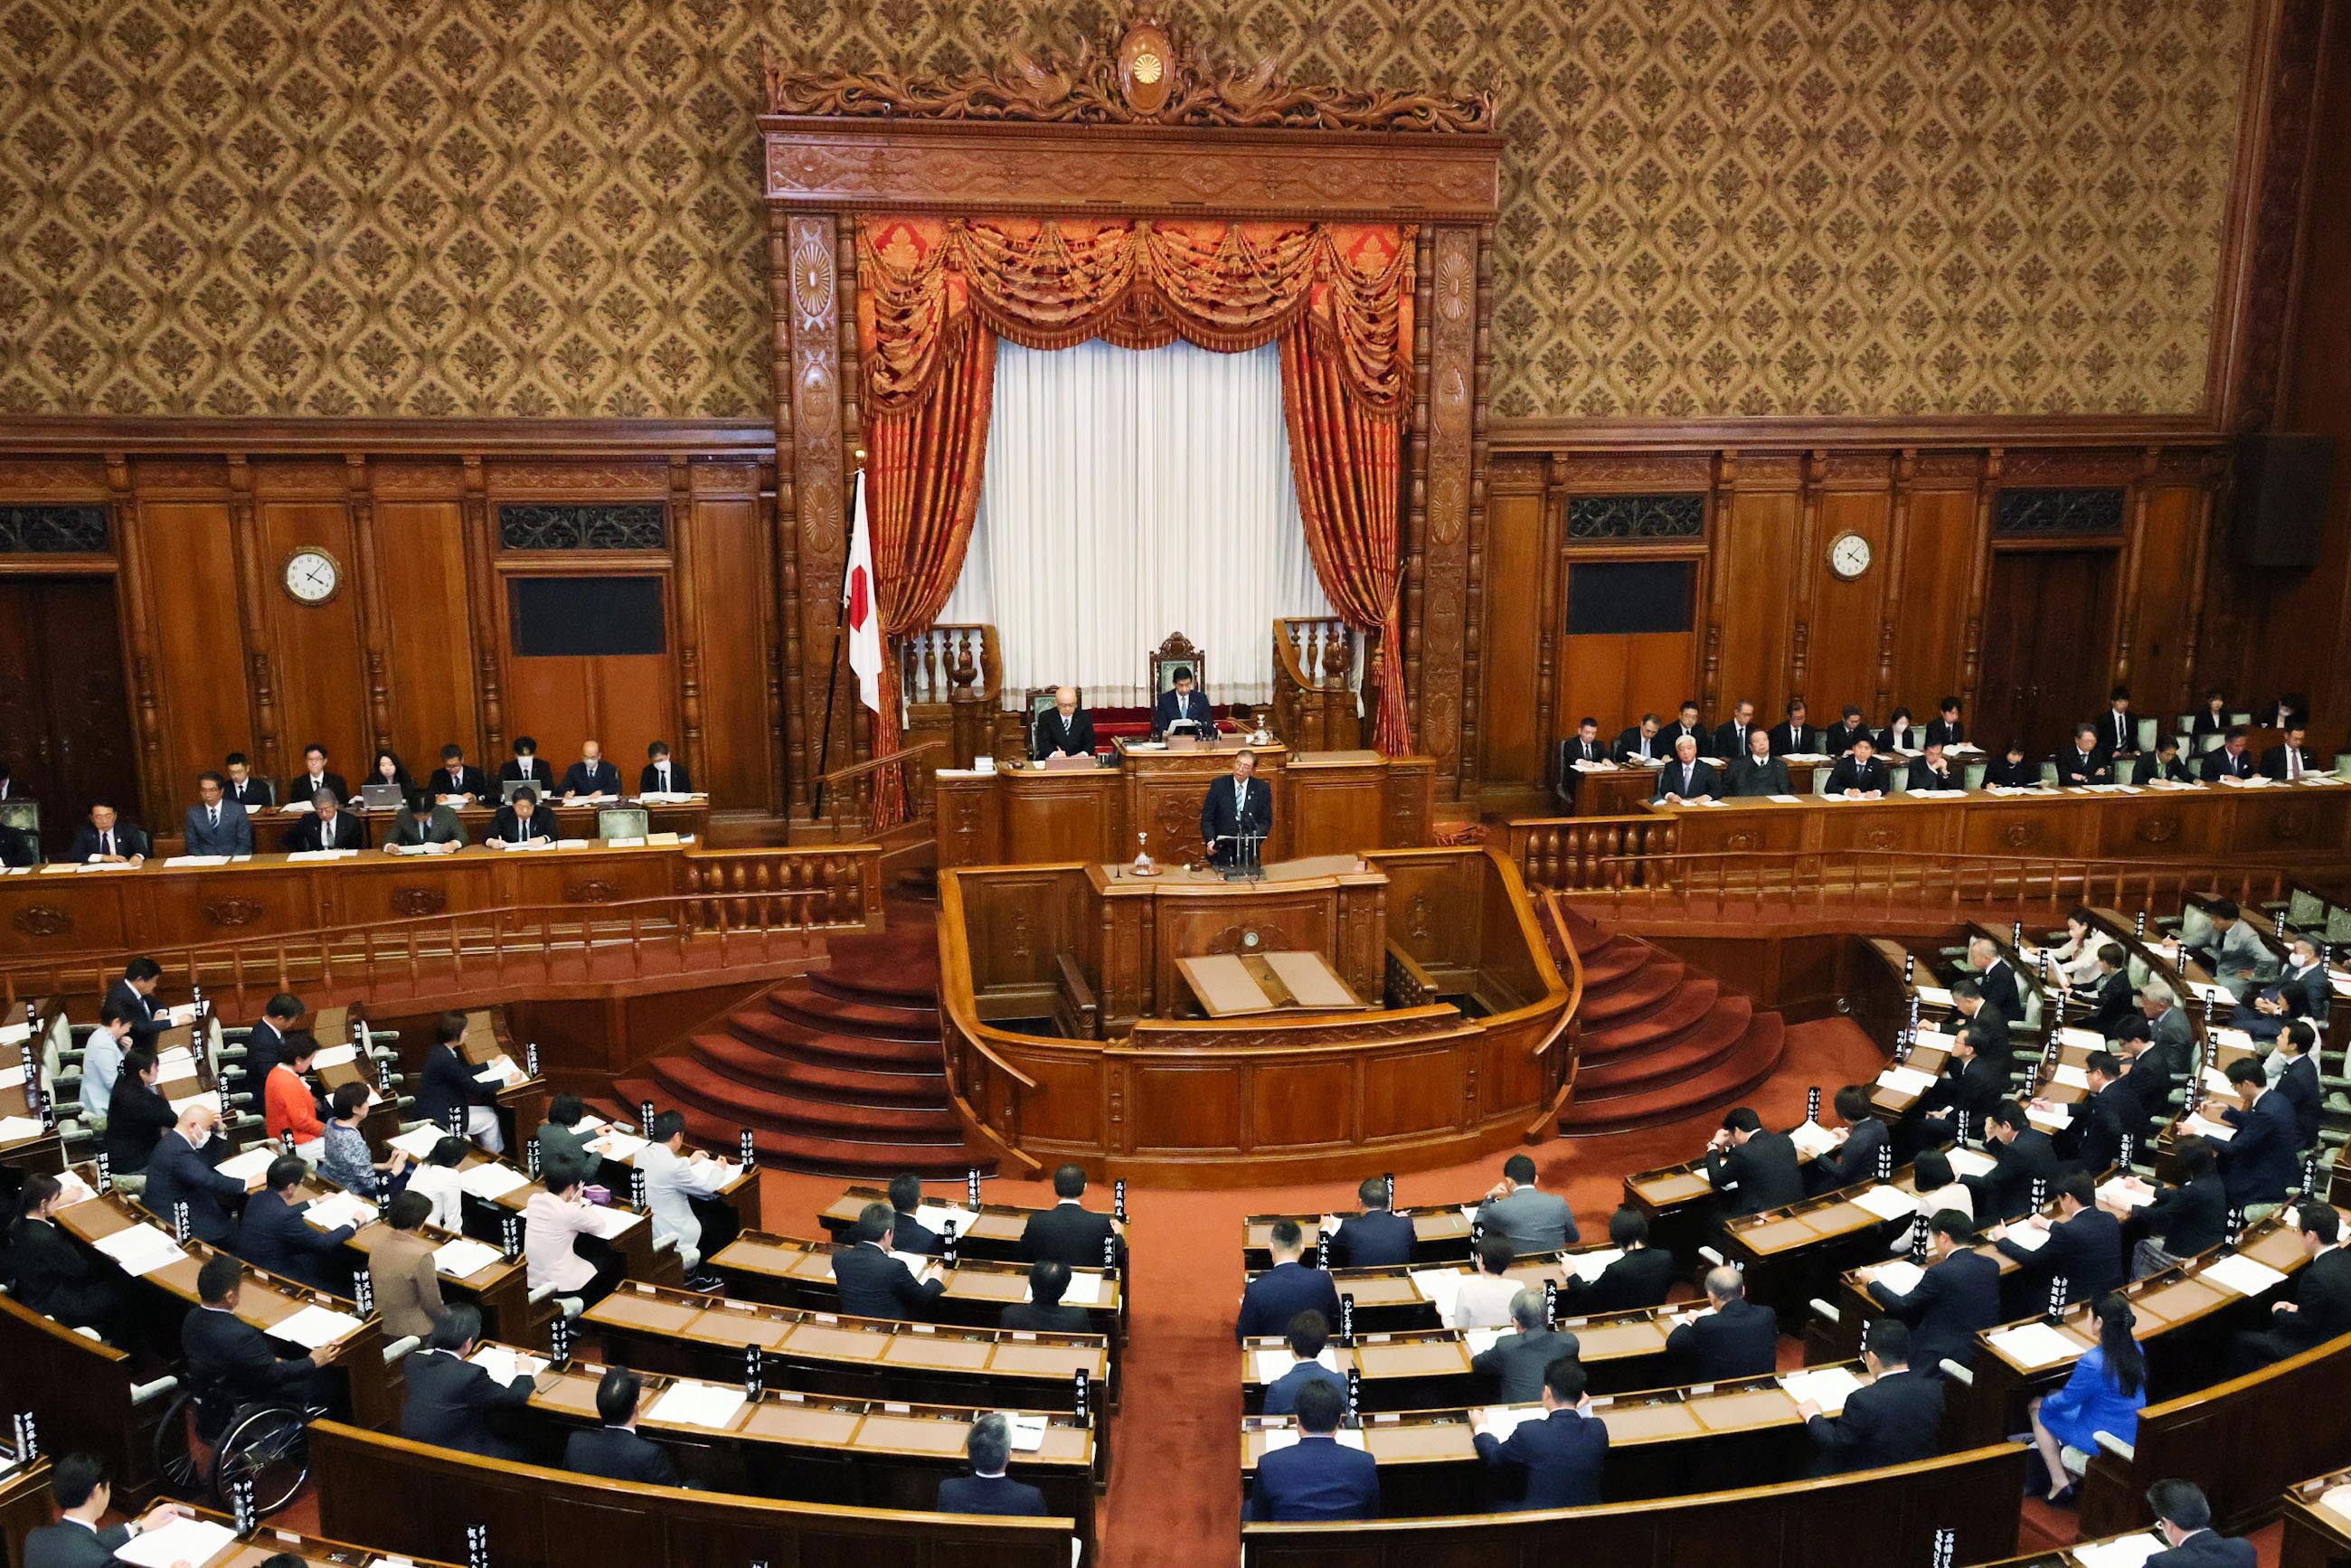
(418, 902)
(811, 262)
(1150, 77)
(42, 920)
(231, 913)
(1452, 348)
(375, 634)
(483, 603)
(594, 891)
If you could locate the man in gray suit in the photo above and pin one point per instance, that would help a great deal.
(2240, 960)
(422, 823)
(1531, 1221)
(1518, 1361)
(216, 825)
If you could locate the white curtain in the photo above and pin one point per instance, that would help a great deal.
(1128, 495)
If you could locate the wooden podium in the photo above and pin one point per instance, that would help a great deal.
(1072, 1033)
(1324, 802)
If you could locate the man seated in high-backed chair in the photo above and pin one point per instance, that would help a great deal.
(1180, 704)
(1064, 729)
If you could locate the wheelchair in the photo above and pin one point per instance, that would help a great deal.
(265, 1443)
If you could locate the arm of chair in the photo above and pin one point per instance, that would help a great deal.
(147, 1392)
(2112, 1445)
(399, 1348)
(1827, 1311)
(1075, 1007)
(1958, 1373)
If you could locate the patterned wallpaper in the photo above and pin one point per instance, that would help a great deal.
(548, 207)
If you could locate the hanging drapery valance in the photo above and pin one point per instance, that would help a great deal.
(1048, 283)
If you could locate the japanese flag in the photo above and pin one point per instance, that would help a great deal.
(859, 608)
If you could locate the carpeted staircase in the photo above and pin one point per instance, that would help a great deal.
(836, 1072)
(1661, 1039)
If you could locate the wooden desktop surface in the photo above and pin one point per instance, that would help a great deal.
(1231, 984)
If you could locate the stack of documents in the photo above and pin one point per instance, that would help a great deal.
(505, 1363)
(2129, 1552)
(1271, 1365)
(936, 1217)
(2121, 1196)
(1888, 1203)
(338, 1209)
(418, 1143)
(491, 1181)
(314, 1326)
(1590, 1266)
(1441, 1286)
(612, 1222)
(2245, 1276)
(1907, 1080)
(1812, 1138)
(462, 1257)
(1501, 1420)
(16, 1129)
(690, 1404)
(1028, 1431)
(2033, 1345)
(140, 1248)
(182, 1541)
(1826, 1387)
(1901, 1276)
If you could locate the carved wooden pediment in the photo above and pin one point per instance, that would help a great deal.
(1151, 77)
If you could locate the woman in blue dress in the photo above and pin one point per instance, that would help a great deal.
(2105, 1394)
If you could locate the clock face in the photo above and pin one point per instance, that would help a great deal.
(311, 576)
(1849, 556)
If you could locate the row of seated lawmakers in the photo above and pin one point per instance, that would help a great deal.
(1751, 758)
(1066, 729)
(335, 817)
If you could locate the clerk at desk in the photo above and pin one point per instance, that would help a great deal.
(1180, 704)
(1238, 804)
(1065, 729)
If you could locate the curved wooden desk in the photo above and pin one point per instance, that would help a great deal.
(1467, 1056)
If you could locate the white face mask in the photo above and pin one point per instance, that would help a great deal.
(203, 1135)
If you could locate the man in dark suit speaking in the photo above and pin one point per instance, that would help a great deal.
(1179, 704)
(1238, 806)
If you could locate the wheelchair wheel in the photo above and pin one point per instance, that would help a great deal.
(268, 1447)
(174, 1448)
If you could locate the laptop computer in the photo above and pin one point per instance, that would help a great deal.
(509, 788)
(382, 797)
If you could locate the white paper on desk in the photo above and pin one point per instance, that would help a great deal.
(2088, 1039)
(2236, 1037)
(14, 1033)
(1469, 1212)
(184, 1013)
(525, 844)
(1826, 1387)
(573, 844)
(197, 860)
(1501, 1420)
(2245, 1276)
(1272, 1365)
(1477, 1342)
(323, 854)
(2047, 1121)
(2034, 1344)
(210, 1097)
(14, 1077)
(1907, 1080)
(1901, 1276)
(489, 1181)
(619, 1146)
(464, 1256)
(178, 1056)
(1027, 1432)
(2121, 1196)
(1971, 1162)
(16, 1129)
(2028, 1237)
(2070, 1078)
(698, 1405)
(1279, 1438)
(418, 1143)
(298, 808)
(1588, 1266)
(1804, 757)
(1783, 799)
(1928, 1035)
(505, 1363)
(1812, 1138)
(140, 1248)
(1085, 1289)
(1933, 996)
(2217, 1083)
(1888, 1203)
(335, 1056)
(628, 843)
(2207, 991)
(1441, 1286)
(501, 1071)
(2219, 1132)
(2124, 1551)
(106, 865)
(936, 1217)
(314, 1326)
(339, 1208)
(2338, 1499)
(612, 1224)
(72, 1190)
(182, 1541)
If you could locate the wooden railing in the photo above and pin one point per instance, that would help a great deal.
(1314, 695)
(929, 659)
(848, 793)
(1571, 852)
(735, 908)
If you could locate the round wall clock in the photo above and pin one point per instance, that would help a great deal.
(1849, 556)
(311, 576)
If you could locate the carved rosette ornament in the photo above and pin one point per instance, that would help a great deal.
(42, 920)
(2156, 829)
(231, 911)
(418, 902)
(592, 891)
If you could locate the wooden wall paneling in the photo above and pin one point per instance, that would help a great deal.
(2159, 605)
(733, 615)
(319, 651)
(432, 636)
(2210, 469)
(1979, 573)
(1713, 707)
(382, 721)
(267, 755)
(1754, 563)
(686, 633)
(1805, 579)
(185, 568)
(1928, 602)
(484, 599)
(1512, 625)
(1844, 617)
(137, 627)
(1905, 471)
(2134, 555)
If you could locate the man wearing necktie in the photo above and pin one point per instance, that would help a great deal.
(1583, 746)
(2289, 760)
(2228, 760)
(1685, 781)
(526, 767)
(1640, 744)
(1730, 737)
(2085, 763)
(1065, 729)
(216, 825)
(2119, 734)
(252, 794)
(660, 774)
(108, 839)
(519, 820)
(1237, 808)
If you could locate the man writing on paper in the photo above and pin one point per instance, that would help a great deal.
(1685, 781)
(1065, 729)
(1239, 807)
(1181, 705)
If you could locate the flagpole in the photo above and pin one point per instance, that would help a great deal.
(832, 679)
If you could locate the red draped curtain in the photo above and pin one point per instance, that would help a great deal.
(936, 294)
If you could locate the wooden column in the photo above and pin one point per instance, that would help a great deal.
(1897, 547)
(137, 612)
(1452, 428)
(2209, 469)
(794, 724)
(1978, 575)
(252, 612)
(1473, 684)
(361, 506)
(1415, 457)
(1717, 577)
(1808, 541)
(2132, 562)
(689, 623)
(811, 241)
(1553, 524)
(483, 602)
